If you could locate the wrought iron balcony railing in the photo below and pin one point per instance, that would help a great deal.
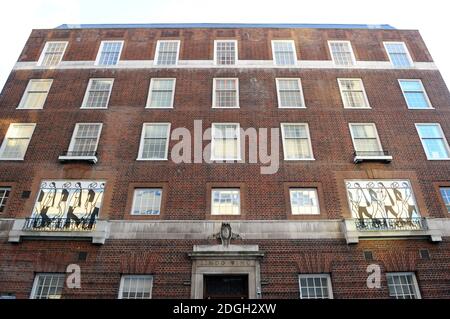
(383, 156)
(59, 224)
(90, 156)
(380, 224)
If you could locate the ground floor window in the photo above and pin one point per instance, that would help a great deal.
(315, 286)
(403, 285)
(48, 286)
(136, 287)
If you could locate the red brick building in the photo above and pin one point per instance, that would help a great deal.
(355, 203)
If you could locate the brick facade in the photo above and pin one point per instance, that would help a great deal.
(186, 185)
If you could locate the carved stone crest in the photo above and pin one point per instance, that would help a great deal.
(226, 234)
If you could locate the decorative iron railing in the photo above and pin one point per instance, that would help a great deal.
(371, 153)
(377, 224)
(82, 153)
(59, 224)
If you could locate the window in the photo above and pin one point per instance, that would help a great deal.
(225, 143)
(342, 53)
(167, 52)
(398, 54)
(85, 139)
(109, 53)
(147, 201)
(225, 52)
(97, 94)
(290, 94)
(226, 93)
(70, 205)
(284, 52)
(35, 94)
(16, 141)
(225, 201)
(4, 195)
(154, 141)
(48, 286)
(53, 53)
(317, 286)
(398, 209)
(433, 141)
(161, 93)
(304, 201)
(136, 287)
(365, 138)
(415, 95)
(296, 142)
(353, 94)
(403, 286)
(445, 192)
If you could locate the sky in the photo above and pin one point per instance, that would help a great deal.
(19, 17)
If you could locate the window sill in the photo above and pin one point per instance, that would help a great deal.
(361, 158)
(91, 159)
(97, 235)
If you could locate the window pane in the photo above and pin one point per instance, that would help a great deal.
(364, 131)
(4, 194)
(136, 287)
(289, 93)
(167, 53)
(436, 148)
(353, 93)
(16, 141)
(225, 52)
(53, 53)
(86, 139)
(342, 53)
(304, 201)
(161, 93)
(314, 286)
(48, 286)
(225, 202)
(147, 201)
(98, 93)
(110, 53)
(429, 131)
(398, 54)
(284, 53)
(155, 141)
(401, 286)
(445, 192)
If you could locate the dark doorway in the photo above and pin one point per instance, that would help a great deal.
(225, 286)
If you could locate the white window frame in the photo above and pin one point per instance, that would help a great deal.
(302, 97)
(430, 106)
(122, 279)
(274, 57)
(100, 49)
(446, 205)
(86, 94)
(4, 198)
(309, 142)
(42, 56)
(141, 143)
(414, 280)
(27, 89)
(446, 145)
(352, 53)
(235, 52)
(225, 189)
(150, 91)
(158, 43)
(314, 189)
(408, 55)
(238, 158)
(75, 132)
(36, 281)
(344, 101)
(5, 139)
(367, 124)
(214, 106)
(133, 206)
(307, 276)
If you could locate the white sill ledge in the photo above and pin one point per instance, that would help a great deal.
(92, 159)
(359, 159)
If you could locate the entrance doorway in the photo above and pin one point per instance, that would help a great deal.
(225, 286)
